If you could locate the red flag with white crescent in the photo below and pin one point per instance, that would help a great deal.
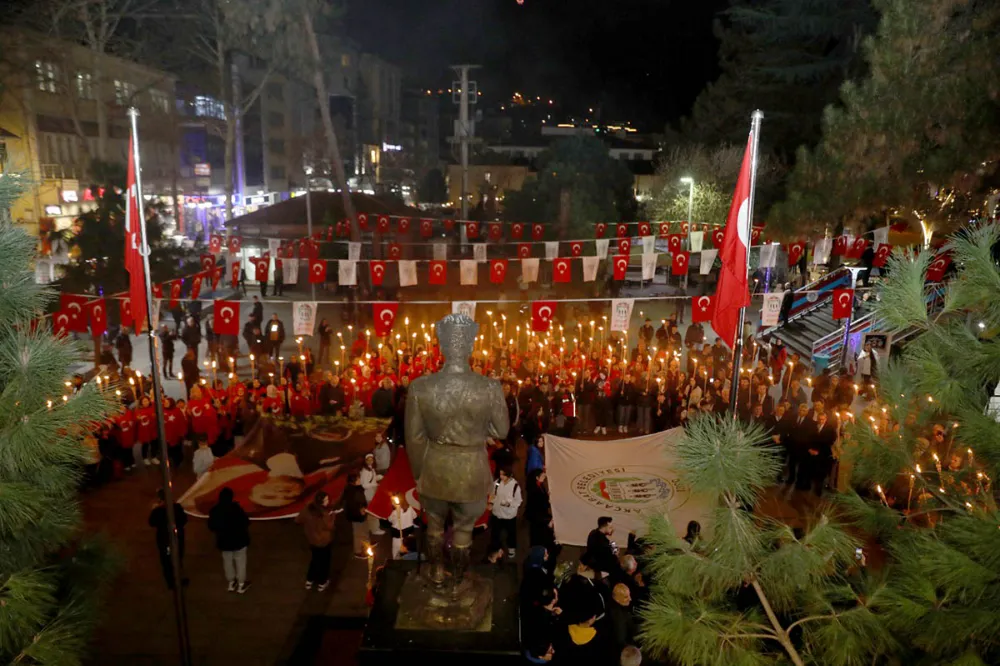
(537, 231)
(175, 293)
(795, 252)
(376, 270)
(426, 227)
(839, 246)
(498, 271)
(60, 323)
(226, 317)
(195, 286)
(717, 236)
(234, 274)
(701, 309)
(384, 316)
(133, 240)
(207, 262)
(403, 225)
(261, 266)
(216, 277)
(664, 229)
(317, 271)
(621, 230)
(600, 229)
(235, 244)
(625, 246)
(472, 230)
(495, 231)
(576, 249)
(732, 291)
(517, 230)
(524, 250)
(125, 314)
(438, 273)
(75, 306)
(215, 243)
(562, 270)
(620, 266)
(394, 251)
(679, 265)
(935, 272)
(363, 221)
(755, 236)
(541, 315)
(843, 302)
(157, 291)
(674, 242)
(382, 225)
(98, 315)
(449, 225)
(881, 255)
(645, 229)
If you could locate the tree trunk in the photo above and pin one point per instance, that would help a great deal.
(565, 204)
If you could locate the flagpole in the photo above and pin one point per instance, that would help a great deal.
(734, 382)
(180, 613)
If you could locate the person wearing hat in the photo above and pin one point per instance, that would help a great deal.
(369, 481)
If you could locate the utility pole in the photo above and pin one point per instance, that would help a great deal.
(307, 170)
(465, 129)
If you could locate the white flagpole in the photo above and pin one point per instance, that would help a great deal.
(180, 613)
(734, 382)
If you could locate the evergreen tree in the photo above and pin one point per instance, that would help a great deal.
(755, 591)
(931, 499)
(50, 579)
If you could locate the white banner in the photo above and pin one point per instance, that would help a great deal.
(273, 245)
(551, 249)
(469, 269)
(467, 308)
(304, 317)
(621, 314)
(347, 273)
(407, 272)
(821, 251)
(697, 240)
(707, 259)
(648, 266)
(155, 314)
(648, 243)
(353, 251)
(590, 265)
(529, 270)
(768, 255)
(772, 308)
(881, 236)
(629, 480)
(479, 252)
(601, 247)
(440, 252)
(290, 271)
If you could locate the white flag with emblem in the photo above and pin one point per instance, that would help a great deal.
(479, 252)
(407, 272)
(768, 255)
(440, 251)
(353, 251)
(648, 266)
(648, 244)
(304, 317)
(468, 308)
(273, 245)
(697, 240)
(290, 271)
(771, 311)
(601, 247)
(551, 249)
(469, 270)
(347, 273)
(529, 270)
(707, 259)
(881, 236)
(590, 265)
(821, 251)
(621, 314)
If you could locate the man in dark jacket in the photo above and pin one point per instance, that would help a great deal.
(331, 396)
(124, 346)
(191, 335)
(355, 508)
(231, 526)
(257, 310)
(167, 339)
(382, 400)
(275, 335)
(158, 521)
(600, 551)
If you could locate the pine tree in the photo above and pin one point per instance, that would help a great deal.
(931, 500)
(756, 591)
(50, 579)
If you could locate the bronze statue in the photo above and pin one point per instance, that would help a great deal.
(449, 416)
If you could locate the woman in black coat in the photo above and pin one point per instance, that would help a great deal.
(538, 513)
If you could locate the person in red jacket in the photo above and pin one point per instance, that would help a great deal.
(300, 403)
(273, 403)
(176, 427)
(145, 418)
(204, 420)
(125, 436)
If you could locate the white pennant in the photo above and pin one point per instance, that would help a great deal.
(469, 269)
(768, 255)
(353, 251)
(273, 244)
(290, 271)
(590, 265)
(697, 240)
(821, 251)
(529, 270)
(155, 314)
(551, 249)
(304, 317)
(440, 252)
(479, 252)
(881, 236)
(347, 273)
(707, 259)
(601, 247)
(648, 243)
(468, 308)
(407, 273)
(621, 314)
(648, 266)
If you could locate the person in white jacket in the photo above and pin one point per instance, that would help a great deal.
(369, 482)
(504, 502)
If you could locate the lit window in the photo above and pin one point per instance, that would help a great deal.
(124, 92)
(209, 107)
(159, 100)
(84, 85)
(46, 74)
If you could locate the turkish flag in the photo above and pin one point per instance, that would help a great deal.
(562, 270)
(329, 232)
(541, 315)
(576, 248)
(363, 221)
(645, 229)
(395, 251)
(279, 266)
(517, 230)
(755, 236)
(732, 289)
(537, 231)
(882, 253)
(684, 227)
(495, 231)
(717, 236)
(98, 314)
(125, 312)
(215, 243)
(317, 271)
(620, 265)
(289, 251)
(674, 242)
(261, 266)
(216, 277)
(621, 230)
(664, 229)
(384, 316)
(935, 272)
(60, 323)
(226, 317)
(382, 225)
(175, 293)
(843, 303)
(340, 229)
(839, 246)
(195, 286)
(498, 271)
(600, 229)
(207, 262)
(235, 244)
(524, 250)
(438, 273)
(133, 239)
(234, 274)
(74, 306)
(403, 225)
(701, 309)
(795, 252)
(157, 291)
(472, 230)
(858, 247)
(624, 246)
(426, 227)
(679, 266)
(449, 225)
(376, 269)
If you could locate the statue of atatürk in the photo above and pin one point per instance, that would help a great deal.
(449, 416)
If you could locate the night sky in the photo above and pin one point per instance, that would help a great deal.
(638, 60)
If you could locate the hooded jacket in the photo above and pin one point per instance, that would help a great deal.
(229, 522)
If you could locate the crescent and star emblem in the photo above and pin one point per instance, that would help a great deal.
(196, 411)
(681, 258)
(498, 267)
(842, 298)
(378, 269)
(545, 312)
(622, 264)
(317, 268)
(225, 316)
(74, 306)
(62, 319)
(438, 269)
(98, 311)
(704, 302)
(387, 316)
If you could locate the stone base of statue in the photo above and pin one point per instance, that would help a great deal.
(440, 623)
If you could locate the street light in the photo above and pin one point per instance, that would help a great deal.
(687, 180)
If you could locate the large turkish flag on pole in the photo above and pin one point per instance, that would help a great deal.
(133, 243)
(731, 291)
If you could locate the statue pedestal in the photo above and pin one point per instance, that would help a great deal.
(412, 619)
